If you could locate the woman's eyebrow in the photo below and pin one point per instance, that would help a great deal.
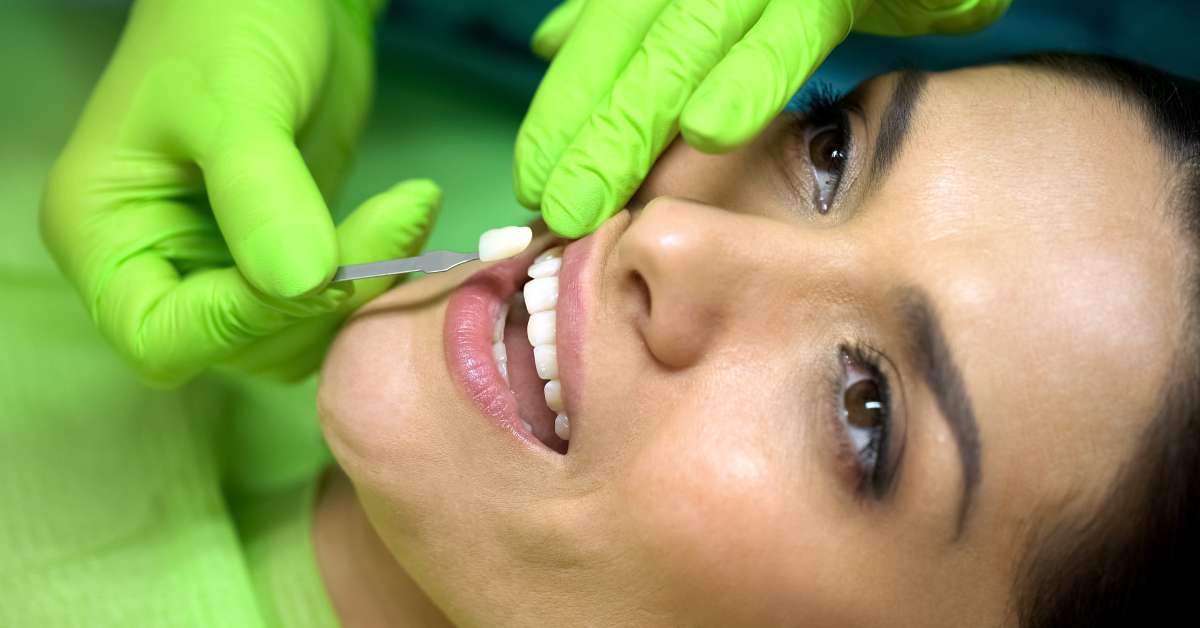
(894, 124)
(932, 357)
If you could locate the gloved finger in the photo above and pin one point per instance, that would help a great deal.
(553, 30)
(606, 35)
(774, 59)
(270, 209)
(328, 138)
(905, 17)
(170, 328)
(607, 160)
(392, 224)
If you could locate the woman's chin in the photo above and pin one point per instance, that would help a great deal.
(384, 380)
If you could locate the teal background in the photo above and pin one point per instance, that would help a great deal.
(118, 503)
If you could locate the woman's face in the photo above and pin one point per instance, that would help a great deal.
(795, 398)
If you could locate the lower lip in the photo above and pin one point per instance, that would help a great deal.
(470, 318)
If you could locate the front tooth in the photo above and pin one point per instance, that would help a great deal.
(553, 392)
(552, 252)
(541, 328)
(501, 319)
(545, 358)
(562, 427)
(541, 295)
(545, 266)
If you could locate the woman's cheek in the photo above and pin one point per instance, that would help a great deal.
(710, 516)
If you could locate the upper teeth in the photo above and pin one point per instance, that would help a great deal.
(541, 299)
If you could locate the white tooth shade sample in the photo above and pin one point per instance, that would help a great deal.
(545, 358)
(541, 295)
(562, 427)
(541, 328)
(503, 243)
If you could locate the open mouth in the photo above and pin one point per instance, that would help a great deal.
(525, 349)
(502, 345)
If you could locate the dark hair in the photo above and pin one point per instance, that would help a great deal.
(1130, 561)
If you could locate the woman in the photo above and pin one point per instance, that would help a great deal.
(919, 356)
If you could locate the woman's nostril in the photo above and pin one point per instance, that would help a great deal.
(640, 290)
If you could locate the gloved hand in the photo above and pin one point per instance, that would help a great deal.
(214, 137)
(630, 74)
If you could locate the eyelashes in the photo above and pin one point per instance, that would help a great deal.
(818, 99)
(869, 429)
(821, 129)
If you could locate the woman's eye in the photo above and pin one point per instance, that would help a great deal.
(865, 416)
(827, 156)
(864, 405)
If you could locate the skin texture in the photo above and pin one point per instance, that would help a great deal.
(703, 485)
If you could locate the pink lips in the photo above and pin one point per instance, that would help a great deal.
(470, 316)
(471, 313)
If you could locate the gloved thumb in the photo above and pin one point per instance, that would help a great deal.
(555, 29)
(391, 224)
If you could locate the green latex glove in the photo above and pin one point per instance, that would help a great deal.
(628, 75)
(214, 137)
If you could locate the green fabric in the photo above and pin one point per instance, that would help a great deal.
(123, 505)
(714, 72)
(276, 533)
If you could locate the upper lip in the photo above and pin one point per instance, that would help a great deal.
(579, 276)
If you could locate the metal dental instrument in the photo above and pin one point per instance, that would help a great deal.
(494, 244)
(431, 262)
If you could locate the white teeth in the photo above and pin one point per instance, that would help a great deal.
(504, 242)
(541, 329)
(540, 298)
(545, 266)
(501, 320)
(500, 353)
(562, 427)
(545, 358)
(550, 253)
(527, 425)
(553, 392)
(541, 294)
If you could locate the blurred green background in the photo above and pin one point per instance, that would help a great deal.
(118, 501)
(115, 499)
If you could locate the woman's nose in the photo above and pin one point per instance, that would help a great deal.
(697, 271)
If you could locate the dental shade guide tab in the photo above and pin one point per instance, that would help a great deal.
(494, 244)
(503, 243)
